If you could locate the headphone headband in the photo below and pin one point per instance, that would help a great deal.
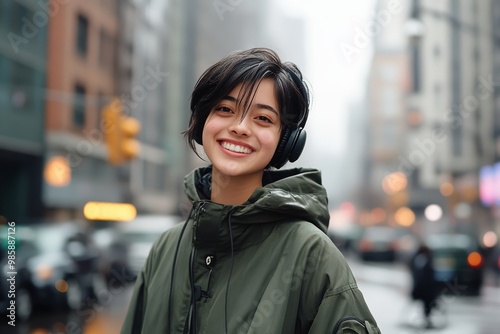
(293, 137)
(303, 91)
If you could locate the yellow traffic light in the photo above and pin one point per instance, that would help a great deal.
(120, 132)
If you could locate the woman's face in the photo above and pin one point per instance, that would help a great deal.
(236, 146)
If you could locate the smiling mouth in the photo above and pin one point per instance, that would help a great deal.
(235, 148)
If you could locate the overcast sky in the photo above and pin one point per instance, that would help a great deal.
(336, 80)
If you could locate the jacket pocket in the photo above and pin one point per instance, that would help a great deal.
(352, 325)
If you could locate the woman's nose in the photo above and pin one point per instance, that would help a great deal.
(240, 127)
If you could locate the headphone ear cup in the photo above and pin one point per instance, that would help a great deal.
(279, 158)
(298, 145)
(290, 147)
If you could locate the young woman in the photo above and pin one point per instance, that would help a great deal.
(253, 255)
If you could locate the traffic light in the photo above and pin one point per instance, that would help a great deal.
(120, 132)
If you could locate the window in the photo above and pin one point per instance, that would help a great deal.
(389, 134)
(22, 86)
(415, 68)
(103, 48)
(5, 8)
(390, 105)
(82, 35)
(101, 102)
(456, 76)
(79, 105)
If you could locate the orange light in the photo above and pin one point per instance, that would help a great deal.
(120, 133)
(40, 331)
(44, 272)
(57, 172)
(130, 128)
(394, 183)
(404, 216)
(475, 259)
(109, 211)
(61, 285)
(446, 189)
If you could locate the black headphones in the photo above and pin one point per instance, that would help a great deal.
(293, 138)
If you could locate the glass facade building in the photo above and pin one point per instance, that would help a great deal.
(23, 34)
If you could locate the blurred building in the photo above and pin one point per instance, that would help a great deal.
(97, 51)
(493, 183)
(81, 68)
(388, 89)
(145, 34)
(451, 66)
(431, 108)
(23, 54)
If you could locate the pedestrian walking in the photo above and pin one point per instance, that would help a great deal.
(424, 288)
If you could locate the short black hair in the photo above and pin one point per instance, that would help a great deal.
(249, 68)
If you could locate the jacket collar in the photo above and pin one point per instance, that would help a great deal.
(287, 195)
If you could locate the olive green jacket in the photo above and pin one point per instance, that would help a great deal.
(266, 266)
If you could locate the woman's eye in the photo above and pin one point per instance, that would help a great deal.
(265, 119)
(223, 109)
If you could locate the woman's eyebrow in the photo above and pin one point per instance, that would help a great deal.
(258, 105)
(268, 107)
(229, 98)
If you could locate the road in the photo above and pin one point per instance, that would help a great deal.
(386, 290)
(385, 287)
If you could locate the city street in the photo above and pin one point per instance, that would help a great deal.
(376, 121)
(384, 286)
(386, 290)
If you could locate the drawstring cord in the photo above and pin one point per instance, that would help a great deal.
(173, 266)
(230, 268)
(192, 313)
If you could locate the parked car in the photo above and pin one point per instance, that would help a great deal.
(55, 265)
(126, 245)
(378, 243)
(345, 238)
(458, 262)
(19, 292)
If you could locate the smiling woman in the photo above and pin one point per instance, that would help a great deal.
(239, 144)
(253, 255)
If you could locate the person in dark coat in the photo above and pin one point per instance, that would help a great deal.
(424, 284)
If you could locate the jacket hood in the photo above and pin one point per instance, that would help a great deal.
(286, 195)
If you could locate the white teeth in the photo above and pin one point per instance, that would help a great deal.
(236, 148)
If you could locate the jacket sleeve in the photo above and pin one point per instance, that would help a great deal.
(133, 320)
(339, 306)
(344, 311)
